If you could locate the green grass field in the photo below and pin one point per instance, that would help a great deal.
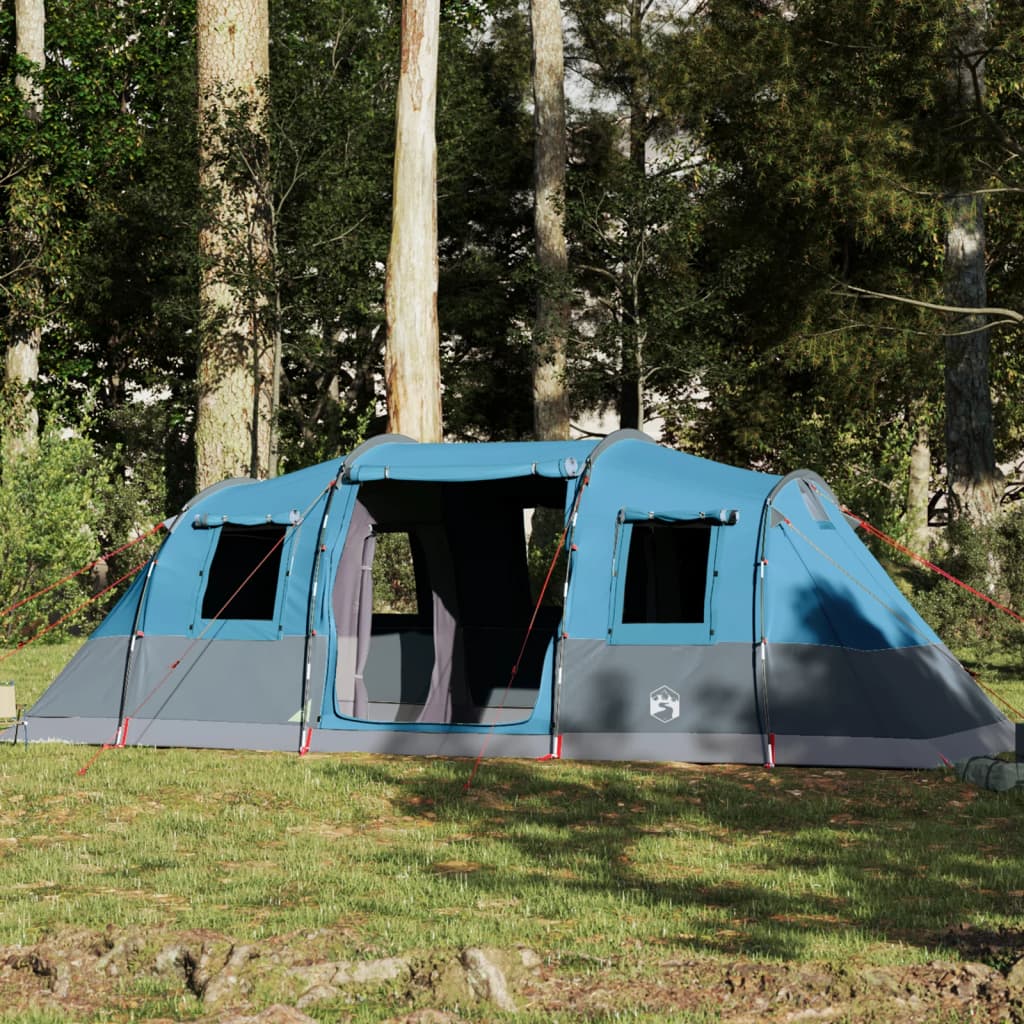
(590, 860)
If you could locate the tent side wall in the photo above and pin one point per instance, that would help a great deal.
(212, 666)
(662, 689)
(853, 674)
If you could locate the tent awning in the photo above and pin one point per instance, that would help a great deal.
(453, 463)
(722, 516)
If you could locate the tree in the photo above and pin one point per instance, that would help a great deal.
(552, 321)
(973, 483)
(26, 313)
(238, 355)
(633, 218)
(817, 126)
(412, 365)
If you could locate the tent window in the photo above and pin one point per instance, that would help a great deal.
(397, 585)
(664, 582)
(666, 573)
(242, 579)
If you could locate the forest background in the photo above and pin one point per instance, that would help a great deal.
(794, 237)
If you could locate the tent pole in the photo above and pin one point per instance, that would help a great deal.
(761, 636)
(134, 637)
(570, 532)
(305, 730)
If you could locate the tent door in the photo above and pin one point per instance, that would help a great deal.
(432, 602)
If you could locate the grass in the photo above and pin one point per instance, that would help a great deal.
(592, 858)
(610, 865)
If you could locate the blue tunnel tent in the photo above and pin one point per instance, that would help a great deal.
(702, 613)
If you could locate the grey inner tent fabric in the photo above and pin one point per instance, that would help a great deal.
(450, 658)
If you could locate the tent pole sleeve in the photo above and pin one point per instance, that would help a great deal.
(129, 658)
(307, 647)
(760, 631)
(559, 652)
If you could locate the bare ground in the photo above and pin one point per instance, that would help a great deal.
(122, 976)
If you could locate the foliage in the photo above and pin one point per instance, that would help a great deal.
(961, 619)
(633, 218)
(394, 575)
(59, 510)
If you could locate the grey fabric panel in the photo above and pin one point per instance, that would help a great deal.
(608, 687)
(364, 622)
(897, 752)
(168, 733)
(399, 666)
(387, 712)
(249, 736)
(68, 730)
(847, 751)
(90, 683)
(221, 680)
(443, 744)
(447, 682)
(906, 693)
(345, 600)
(912, 692)
(696, 748)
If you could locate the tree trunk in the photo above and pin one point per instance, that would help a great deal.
(551, 327)
(631, 389)
(973, 480)
(919, 490)
(412, 360)
(236, 375)
(25, 332)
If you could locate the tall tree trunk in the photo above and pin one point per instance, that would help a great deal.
(551, 326)
(412, 359)
(919, 489)
(236, 374)
(631, 389)
(974, 482)
(25, 332)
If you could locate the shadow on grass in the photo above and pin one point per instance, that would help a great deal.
(793, 863)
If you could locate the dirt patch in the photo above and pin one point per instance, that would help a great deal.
(322, 975)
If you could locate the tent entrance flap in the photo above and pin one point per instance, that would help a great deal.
(432, 602)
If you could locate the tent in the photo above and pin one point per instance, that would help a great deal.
(384, 603)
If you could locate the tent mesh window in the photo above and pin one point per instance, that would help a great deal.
(396, 582)
(242, 581)
(666, 573)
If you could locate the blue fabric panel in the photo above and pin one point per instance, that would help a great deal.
(824, 587)
(655, 479)
(119, 619)
(175, 600)
(463, 462)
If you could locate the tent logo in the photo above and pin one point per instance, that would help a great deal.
(664, 704)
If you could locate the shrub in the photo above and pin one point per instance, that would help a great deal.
(54, 507)
(988, 559)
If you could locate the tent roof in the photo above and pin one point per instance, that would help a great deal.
(397, 458)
